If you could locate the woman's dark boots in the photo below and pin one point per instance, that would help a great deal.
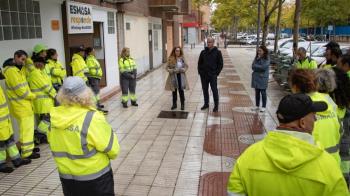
(174, 106)
(182, 105)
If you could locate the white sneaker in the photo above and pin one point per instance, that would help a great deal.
(262, 110)
(255, 109)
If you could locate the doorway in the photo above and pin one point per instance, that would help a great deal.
(98, 45)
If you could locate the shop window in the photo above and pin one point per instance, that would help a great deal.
(127, 26)
(20, 19)
(111, 23)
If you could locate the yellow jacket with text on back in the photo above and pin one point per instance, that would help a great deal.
(327, 127)
(82, 142)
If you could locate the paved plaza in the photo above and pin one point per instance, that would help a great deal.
(164, 156)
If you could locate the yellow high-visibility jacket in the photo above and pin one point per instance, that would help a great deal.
(28, 67)
(306, 64)
(18, 92)
(94, 67)
(82, 142)
(5, 122)
(56, 71)
(126, 65)
(282, 164)
(40, 84)
(327, 127)
(79, 67)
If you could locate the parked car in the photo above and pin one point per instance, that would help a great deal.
(283, 43)
(270, 36)
(288, 49)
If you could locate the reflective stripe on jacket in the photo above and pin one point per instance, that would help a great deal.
(94, 67)
(126, 65)
(5, 123)
(79, 67)
(282, 164)
(18, 92)
(56, 71)
(40, 84)
(326, 127)
(82, 142)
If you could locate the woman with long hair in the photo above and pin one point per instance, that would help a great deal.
(260, 77)
(128, 73)
(177, 80)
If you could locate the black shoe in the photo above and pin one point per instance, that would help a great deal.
(105, 112)
(6, 170)
(34, 155)
(36, 149)
(125, 105)
(133, 103)
(204, 107)
(182, 106)
(100, 106)
(173, 107)
(216, 109)
(19, 162)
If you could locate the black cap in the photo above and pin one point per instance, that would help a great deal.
(296, 106)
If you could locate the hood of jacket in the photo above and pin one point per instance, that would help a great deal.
(9, 62)
(287, 152)
(63, 117)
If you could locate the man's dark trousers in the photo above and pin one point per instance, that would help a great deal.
(213, 81)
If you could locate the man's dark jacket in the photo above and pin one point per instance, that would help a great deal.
(210, 62)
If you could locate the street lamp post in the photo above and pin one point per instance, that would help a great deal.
(258, 28)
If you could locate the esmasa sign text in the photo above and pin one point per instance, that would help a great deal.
(79, 18)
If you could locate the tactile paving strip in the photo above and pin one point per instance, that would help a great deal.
(222, 140)
(214, 184)
(232, 86)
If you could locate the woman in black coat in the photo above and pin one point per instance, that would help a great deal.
(260, 77)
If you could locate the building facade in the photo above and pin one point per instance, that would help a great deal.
(150, 28)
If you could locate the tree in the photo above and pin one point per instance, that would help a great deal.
(296, 20)
(268, 11)
(277, 32)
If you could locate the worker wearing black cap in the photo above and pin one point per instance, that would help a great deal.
(288, 161)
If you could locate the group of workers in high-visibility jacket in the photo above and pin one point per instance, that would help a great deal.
(309, 152)
(68, 114)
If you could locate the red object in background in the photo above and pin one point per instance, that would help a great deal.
(190, 24)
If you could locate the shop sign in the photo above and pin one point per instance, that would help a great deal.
(79, 18)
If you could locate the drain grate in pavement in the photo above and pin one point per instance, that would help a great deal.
(214, 184)
(173, 114)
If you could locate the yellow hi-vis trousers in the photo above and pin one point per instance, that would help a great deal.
(26, 135)
(10, 147)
